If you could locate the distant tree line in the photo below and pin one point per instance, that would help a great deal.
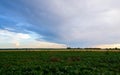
(95, 48)
(27, 49)
(84, 48)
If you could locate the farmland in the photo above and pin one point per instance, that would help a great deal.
(59, 63)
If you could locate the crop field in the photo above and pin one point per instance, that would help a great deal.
(59, 63)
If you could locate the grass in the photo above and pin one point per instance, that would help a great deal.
(59, 63)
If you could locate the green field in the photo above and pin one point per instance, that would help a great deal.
(59, 63)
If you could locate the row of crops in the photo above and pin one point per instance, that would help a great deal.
(59, 63)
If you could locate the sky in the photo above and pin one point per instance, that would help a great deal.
(59, 23)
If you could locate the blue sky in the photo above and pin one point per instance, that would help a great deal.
(59, 23)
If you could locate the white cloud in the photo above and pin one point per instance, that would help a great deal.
(111, 16)
(41, 44)
(94, 21)
(10, 39)
(91, 20)
(13, 35)
(22, 36)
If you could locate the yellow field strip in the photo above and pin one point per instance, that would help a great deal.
(61, 50)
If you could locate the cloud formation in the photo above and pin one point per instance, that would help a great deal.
(75, 23)
(10, 39)
(89, 22)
